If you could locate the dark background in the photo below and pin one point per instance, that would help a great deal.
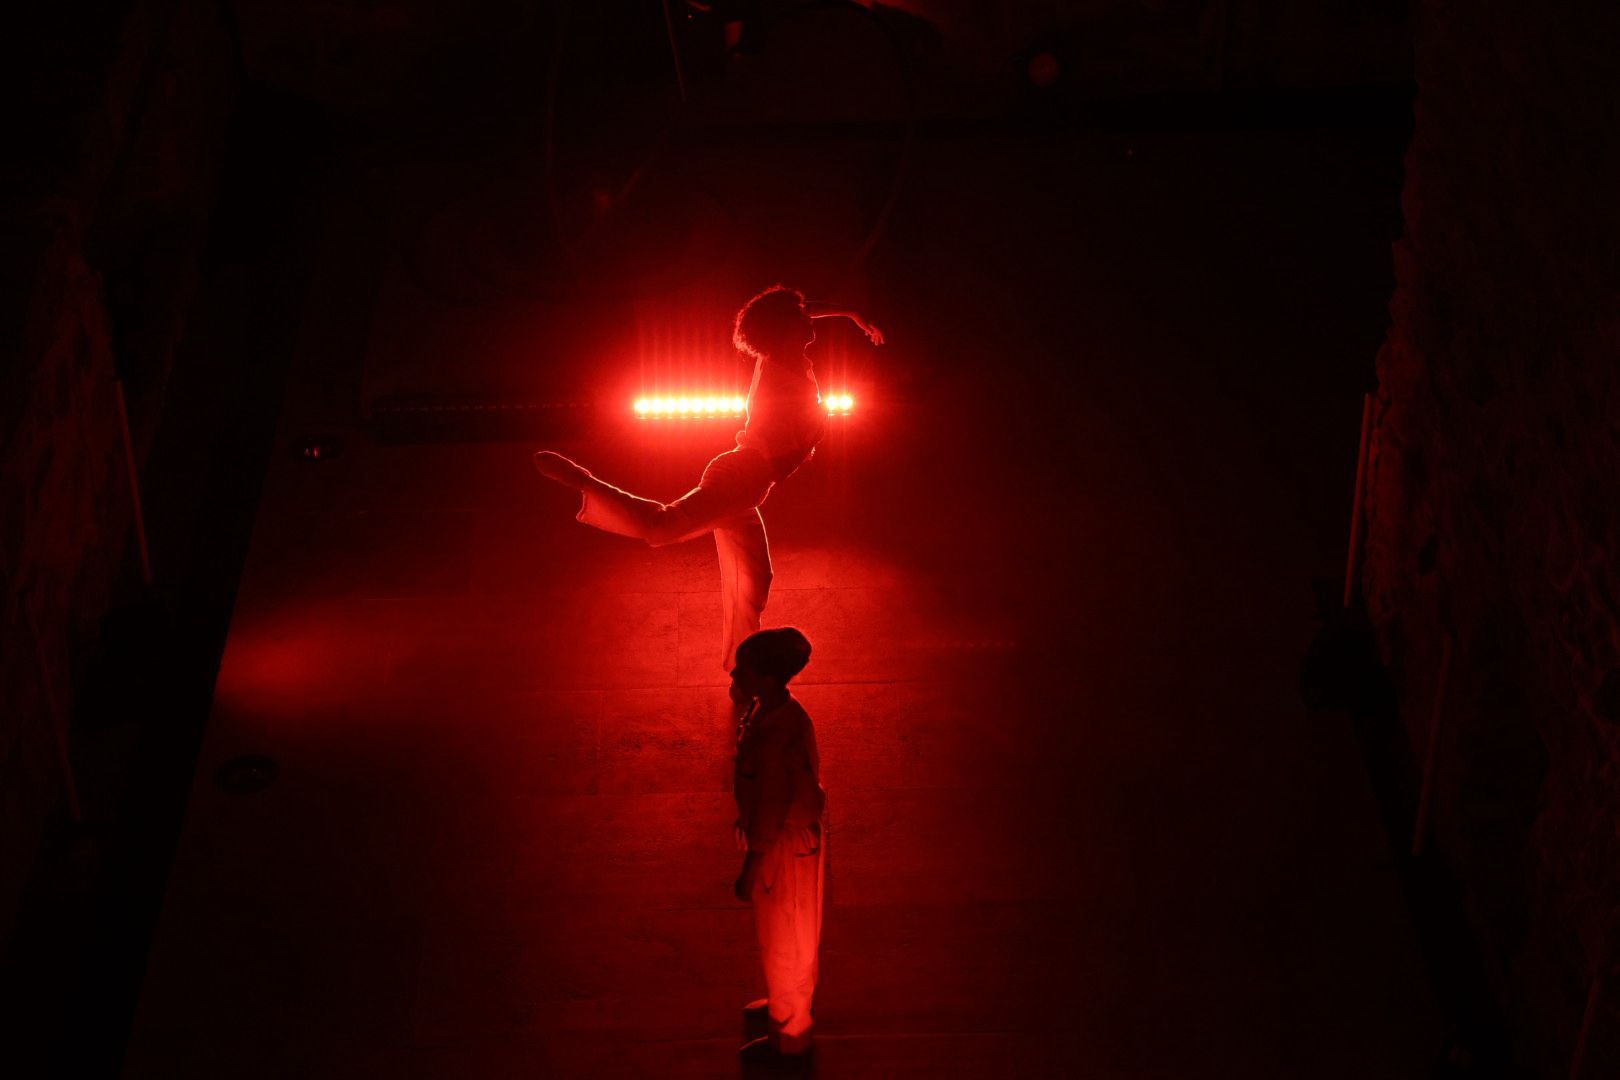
(1068, 567)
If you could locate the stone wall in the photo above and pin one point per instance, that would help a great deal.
(1494, 501)
(59, 496)
(127, 106)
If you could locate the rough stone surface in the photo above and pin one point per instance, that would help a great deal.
(57, 494)
(127, 105)
(1492, 514)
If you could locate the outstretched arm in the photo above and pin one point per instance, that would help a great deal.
(817, 310)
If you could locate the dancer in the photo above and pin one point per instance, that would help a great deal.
(786, 420)
(780, 809)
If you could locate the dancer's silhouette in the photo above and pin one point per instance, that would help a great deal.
(780, 810)
(785, 421)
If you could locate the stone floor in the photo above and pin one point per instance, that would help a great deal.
(1058, 590)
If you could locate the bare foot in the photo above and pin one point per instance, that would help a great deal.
(560, 469)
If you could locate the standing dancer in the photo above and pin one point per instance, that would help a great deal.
(785, 421)
(781, 808)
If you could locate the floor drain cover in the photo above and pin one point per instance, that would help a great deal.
(245, 775)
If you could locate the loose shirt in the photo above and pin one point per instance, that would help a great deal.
(785, 415)
(777, 780)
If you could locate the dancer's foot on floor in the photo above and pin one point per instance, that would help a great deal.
(757, 1018)
(764, 1051)
(560, 469)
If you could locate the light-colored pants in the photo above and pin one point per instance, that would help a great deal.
(726, 503)
(787, 920)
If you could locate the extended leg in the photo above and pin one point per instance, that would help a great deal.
(745, 579)
(732, 482)
(613, 510)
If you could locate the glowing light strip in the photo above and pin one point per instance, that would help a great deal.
(697, 408)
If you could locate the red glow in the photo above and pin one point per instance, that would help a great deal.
(712, 406)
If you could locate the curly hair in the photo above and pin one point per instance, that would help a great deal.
(766, 318)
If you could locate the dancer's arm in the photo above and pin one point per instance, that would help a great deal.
(817, 310)
(744, 888)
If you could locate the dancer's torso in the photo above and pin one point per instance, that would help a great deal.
(785, 415)
(770, 747)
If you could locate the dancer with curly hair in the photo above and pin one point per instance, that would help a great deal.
(785, 421)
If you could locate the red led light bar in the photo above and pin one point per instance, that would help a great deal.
(709, 407)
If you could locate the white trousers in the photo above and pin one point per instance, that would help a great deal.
(726, 503)
(787, 920)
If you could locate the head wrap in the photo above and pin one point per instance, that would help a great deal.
(781, 652)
